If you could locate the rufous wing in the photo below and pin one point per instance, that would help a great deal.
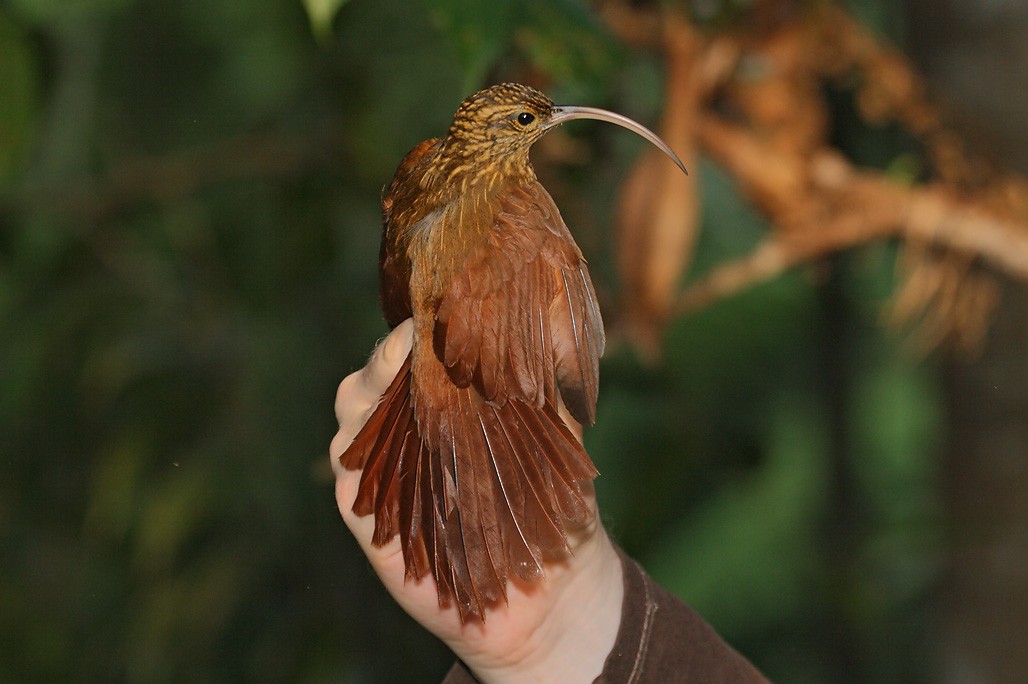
(524, 313)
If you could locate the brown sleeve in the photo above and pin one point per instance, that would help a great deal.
(663, 640)
(459, 674)
(660, 640)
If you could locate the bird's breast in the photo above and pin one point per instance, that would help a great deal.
(447, 239)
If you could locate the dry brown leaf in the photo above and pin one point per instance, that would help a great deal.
(766, 125)
(943, 299)
(658, 208)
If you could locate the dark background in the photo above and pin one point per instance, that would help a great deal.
(189, 231)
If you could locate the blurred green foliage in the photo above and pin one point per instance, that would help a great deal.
(188, 244)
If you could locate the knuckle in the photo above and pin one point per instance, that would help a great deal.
(348, 397)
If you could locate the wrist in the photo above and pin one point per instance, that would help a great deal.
(572, 643)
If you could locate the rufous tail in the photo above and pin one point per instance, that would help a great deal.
(487, 495)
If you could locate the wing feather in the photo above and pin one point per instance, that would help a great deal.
(522, 309)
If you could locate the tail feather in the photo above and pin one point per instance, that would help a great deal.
(356, 455)
(521, 549)
(416, 518)
(559, 449)
(479, 526)
(485, 493)
(486, 518)
(397, 446)
(538, 506)
(372, 440)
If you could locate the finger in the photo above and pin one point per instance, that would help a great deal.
(388, 559)
(362, 389)
(352, 411)
(569, 420)
(419, 598)
(346, 493)
(387, 359)
(339, 443)
(359, 392)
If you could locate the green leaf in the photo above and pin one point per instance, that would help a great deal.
(20, 100)
(66, 12)
(567, 41)
(740, 559)
(478, 31)
(321, 14)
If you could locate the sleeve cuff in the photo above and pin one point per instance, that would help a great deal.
(660, 640)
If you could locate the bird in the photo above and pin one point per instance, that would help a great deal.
(466, 456)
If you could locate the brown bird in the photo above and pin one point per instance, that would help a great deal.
(466, 457)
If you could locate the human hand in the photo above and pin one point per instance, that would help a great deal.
(558, 629)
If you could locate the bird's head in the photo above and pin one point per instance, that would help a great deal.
(494, 129)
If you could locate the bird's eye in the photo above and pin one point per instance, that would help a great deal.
(525, 118)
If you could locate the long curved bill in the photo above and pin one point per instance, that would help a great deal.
(560, 114)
